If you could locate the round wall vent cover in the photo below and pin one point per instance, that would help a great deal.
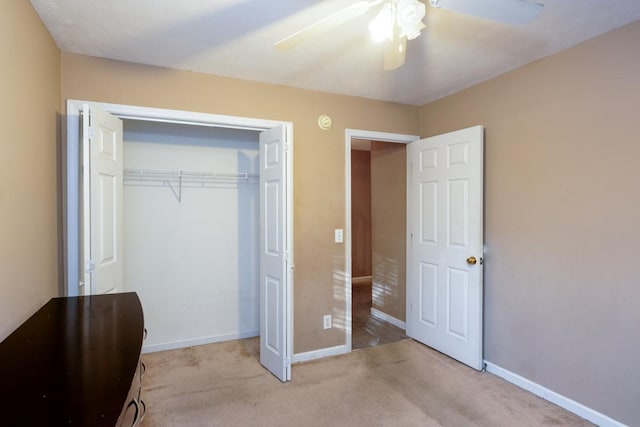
(324, 122)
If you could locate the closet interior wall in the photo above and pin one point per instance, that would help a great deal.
(191, 234)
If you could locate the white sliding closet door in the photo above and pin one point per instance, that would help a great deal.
(102, 189)
(275, 293)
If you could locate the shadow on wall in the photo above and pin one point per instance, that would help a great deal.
(340, 319)
(385, 282)
(248, 243)
(255, 14)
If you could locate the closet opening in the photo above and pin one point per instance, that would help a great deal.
(191, 231)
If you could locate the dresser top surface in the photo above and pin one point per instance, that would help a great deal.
(72, 362)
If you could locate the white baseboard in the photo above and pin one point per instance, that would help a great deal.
(384, 316)
(317, 354)
(198, 341)
(550, 395)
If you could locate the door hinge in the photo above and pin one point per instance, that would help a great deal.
(287, 259)
(90, 133)
(287, 362)
(90, 267)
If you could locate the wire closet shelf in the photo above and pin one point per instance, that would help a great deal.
(175, 180)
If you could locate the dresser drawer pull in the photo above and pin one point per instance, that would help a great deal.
(144, 335)
(144, 409)
(135, 417)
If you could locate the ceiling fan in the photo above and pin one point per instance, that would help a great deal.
(397, 21)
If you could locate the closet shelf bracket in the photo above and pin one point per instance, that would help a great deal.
(178, 194)
(177, 179)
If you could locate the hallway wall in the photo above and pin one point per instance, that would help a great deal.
(360, 213)
(389, 227)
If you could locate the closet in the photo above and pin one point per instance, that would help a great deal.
(191, 231)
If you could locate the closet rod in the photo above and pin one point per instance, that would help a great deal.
(162, 173)
(167, 177)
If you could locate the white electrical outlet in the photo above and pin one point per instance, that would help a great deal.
(338, 235)
(327, 321)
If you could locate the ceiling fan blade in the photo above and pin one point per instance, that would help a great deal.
(395, 52)
(326, 24)
(515, 12)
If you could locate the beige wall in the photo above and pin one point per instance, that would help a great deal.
(360, 213)
(562, 205)
(389, 227)
(30, 88)
(319, 161)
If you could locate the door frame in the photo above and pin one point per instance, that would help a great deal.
(73, 180)
(372, 136)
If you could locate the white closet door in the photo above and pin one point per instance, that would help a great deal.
(102, 188)
(275, 293)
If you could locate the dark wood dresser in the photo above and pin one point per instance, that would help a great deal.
(76, 362)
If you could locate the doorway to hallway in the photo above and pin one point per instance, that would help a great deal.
(378, 222)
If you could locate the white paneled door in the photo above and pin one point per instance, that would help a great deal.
(103, 230)
(275, 295)
(445, 243)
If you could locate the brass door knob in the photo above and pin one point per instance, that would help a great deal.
(472, 260)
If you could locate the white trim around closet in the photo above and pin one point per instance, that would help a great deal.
(132, 112)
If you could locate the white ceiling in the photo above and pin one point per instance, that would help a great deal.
(235, 38)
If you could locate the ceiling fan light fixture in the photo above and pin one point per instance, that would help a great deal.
(381, 27)
(412, 31)
(409, 17)
(410, 11)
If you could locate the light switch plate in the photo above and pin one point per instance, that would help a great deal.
(326, 321)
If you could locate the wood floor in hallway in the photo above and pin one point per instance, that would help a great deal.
(367, 330)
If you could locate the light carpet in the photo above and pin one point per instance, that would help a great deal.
(398, 384)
